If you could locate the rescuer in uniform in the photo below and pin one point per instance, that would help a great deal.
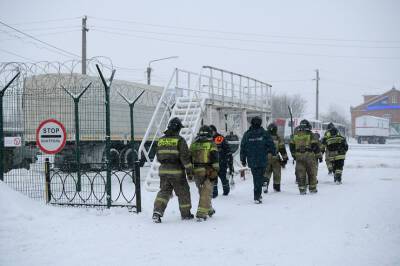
(327, 157)
(274, 163)
(337, 146)
(174, 155)
(318, 157)
(205, 169)
(225, 161)
(304, 149)
(254, 147)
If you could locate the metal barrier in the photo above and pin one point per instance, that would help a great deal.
(97, 115)
(62, 187)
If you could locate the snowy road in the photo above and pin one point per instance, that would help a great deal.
(357, 223)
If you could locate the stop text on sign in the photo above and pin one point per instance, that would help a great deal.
(51, 136)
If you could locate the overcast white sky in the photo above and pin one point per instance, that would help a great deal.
(354, 44)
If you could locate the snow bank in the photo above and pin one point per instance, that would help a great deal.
(357, 223)
(14, 205)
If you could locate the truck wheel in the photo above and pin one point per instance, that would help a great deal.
(114, 158)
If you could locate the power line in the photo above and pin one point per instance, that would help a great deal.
(38, 40)
(350, 83)
(293, 80)
(17, 55)
(243, 33)
(249, 49)
(44, 21)
(245, 40)
(39, 35)
(51, 28)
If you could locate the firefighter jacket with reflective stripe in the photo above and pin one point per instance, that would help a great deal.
(279, 147)
(304, 141)
(335, 143)
(173, 154)
(204, 156)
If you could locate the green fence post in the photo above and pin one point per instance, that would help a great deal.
(2, 92)
(76, 98)
(137, 188)
(48, 180)
(132, 124)
(136, 165)
(108, 131)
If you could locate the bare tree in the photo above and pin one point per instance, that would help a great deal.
(281, 102)
(335, 114)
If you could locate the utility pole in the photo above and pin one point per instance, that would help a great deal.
(317, 94)
(84, 30)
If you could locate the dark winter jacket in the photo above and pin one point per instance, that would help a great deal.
(225, 155)
(254, 147)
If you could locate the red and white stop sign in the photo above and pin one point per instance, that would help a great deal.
(51, 136)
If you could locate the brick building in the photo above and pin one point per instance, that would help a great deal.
(386, 105)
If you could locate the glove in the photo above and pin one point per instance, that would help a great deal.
(320, 159)
(244, 164)
(283, 163)
(294, 157)
(189, 174)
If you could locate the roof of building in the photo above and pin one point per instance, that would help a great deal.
(374, 99)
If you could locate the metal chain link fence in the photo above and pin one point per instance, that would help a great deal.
(98, 164)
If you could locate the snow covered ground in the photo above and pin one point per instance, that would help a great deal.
(357, 223)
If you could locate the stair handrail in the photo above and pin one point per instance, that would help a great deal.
(195, 94)
(153, 118)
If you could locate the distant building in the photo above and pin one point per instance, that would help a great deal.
(386, 105)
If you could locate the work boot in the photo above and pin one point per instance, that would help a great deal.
(201, 218)
(277, 187)
(187, 217)
(330, 171)
(303, 191)
(226, 189)
(215, 191)
(211, 212)
(156, 218)
(265, 184)
(257, 201)
(313, 190)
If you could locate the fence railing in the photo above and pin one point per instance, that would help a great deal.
(97, 166)
(62, 187)
(217, 86)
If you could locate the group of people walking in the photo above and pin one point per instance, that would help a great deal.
(263, 151)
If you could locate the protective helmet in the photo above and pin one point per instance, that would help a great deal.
(175, 124)
(205, 131)
(330, 126)
(272, 128)
(213, 128)
(305, 125)
(334, 131)
(256, 121)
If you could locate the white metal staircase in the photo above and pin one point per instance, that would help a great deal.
(188, 95)
(189, 110)
(180, 99)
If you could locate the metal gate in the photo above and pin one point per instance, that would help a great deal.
(98, 165)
